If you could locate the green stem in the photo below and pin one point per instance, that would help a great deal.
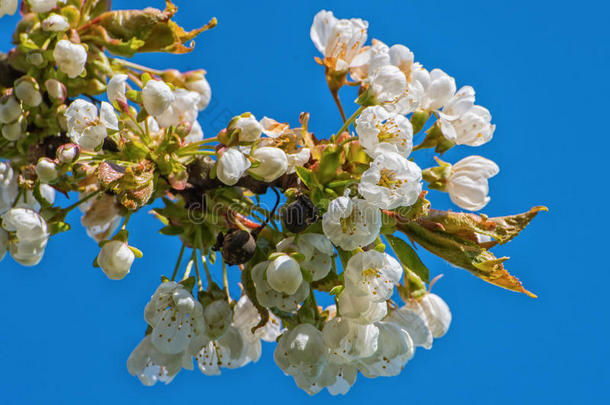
(194, 260)
(225, 281)
(207, 271)
(178, 262)
(82, 200)
(137, 67)
(350, 120)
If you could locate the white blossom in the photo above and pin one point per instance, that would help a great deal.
(432, 309)
(218, 317)
(42, 6)
(360, 308)
(232, 164)
(70, 58)
(151, 365)
(196, 133)
(369, 60)
(86, 127)
(46, 170)
(182, 109)
(246, 317)
(249, 127)
(351, 222)
(202, 87)
(391, 181)
(8, 7)
(284, 275)
(117, 86)
(10, 109)
(301, 353)
(273, 163)
(414, 324)
(31, 234)
(229, 351)
(55, 23)
(27, 91)
(269, 297)
(298, 158)
(467, 185)
(338, 40)
(15, 130)
(115, 259)
(157, 97)
(175, 316)
(349, 341)
(439, 88)
(376, 126)
(472, 128)
(388, 84)
(317, 250)
(394, 349)
(372, 274)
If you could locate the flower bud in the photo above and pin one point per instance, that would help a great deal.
(10, 109)
(196, 81)
(56, 90)
(115, 259)
(55, 23)
(157, 97)
(300, 214)
(117, 87)
(46, 170)
(15, 130)
(284, 275)
(68, 153)
(237, 246)
(273, 163)
(386, 86)
(249, 127)
(467, 185)
(70, 58)
(27, 90)
(231, 166)
(42, 6)
(35, 58)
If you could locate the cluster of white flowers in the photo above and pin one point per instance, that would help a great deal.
(399, 86)
(259, 156)
(23, 231)
(218, 335)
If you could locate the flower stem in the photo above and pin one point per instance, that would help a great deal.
(225, 280)
(82, 200)
(350, 120)
(335, 95)
(194, 260)
(178, 262)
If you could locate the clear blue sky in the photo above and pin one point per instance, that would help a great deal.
(541, 68)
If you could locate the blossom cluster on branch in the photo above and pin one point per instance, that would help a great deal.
(350, 206)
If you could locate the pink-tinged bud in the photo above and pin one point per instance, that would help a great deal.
(68, 153)
(56, 90)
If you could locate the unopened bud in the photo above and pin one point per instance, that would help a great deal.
(35, 58)
(15, 130)
(46, 170)
(27, 90)
(10, 109)
(55, 23)
(68, 153)
(56, 90)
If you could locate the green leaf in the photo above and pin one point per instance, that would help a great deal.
(58, 227)
(408, 257)
(305, 176)
(171, 230)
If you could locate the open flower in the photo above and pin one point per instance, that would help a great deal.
(115, 259)
(70, 58)
(338, 40)
(376, 126)
(387, 85)
(182, 109)
(434, 311)
(150, 365)
(467, 185)
(246, 317)
(438, 88)
(349, 341)
(86, 127)
(472, 128)
(229, 351)
(392, 181)
(175, 316)
(360, 308)
(394, 349)
(414, 324)
(31, 235)
(372, 274)
(351, 222)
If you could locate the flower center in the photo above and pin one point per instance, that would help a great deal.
(388, 179)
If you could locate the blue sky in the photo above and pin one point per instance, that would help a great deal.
(540, 67)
